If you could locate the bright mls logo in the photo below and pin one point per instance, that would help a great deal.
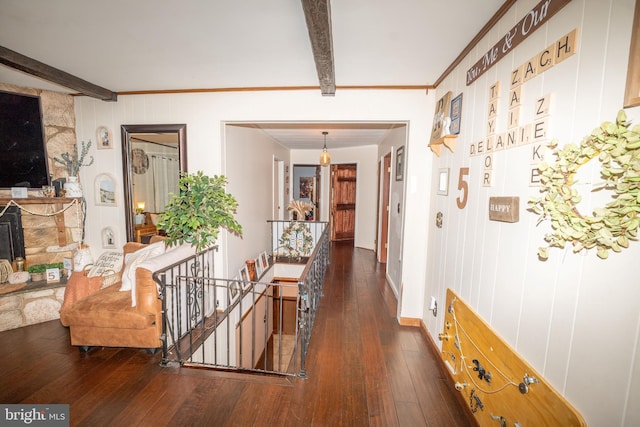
(37, 415)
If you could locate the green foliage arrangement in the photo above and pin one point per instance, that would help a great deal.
(41, 268)
(196, 215)
(74, 161)
(611, 227)
(296, 240)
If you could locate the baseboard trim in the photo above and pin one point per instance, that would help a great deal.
(410, 321)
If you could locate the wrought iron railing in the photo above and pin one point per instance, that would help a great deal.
(256, 326)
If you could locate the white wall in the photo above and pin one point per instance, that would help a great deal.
(575, 318)
(205, 115)
(396, 138)
(250, 181)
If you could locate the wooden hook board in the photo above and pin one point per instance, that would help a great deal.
(490, 374)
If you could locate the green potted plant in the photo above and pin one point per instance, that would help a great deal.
(196, 215)
(38, 271)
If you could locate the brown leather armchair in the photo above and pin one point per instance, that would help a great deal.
(107, 319)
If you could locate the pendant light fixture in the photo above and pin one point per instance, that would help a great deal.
(325, 158)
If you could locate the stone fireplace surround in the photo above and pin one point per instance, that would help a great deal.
(43, 234)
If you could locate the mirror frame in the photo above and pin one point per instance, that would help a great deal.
(127, 177)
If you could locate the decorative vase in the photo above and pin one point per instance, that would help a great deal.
(82, 258)
(72, 187)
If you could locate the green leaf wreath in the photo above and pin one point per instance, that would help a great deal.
(611, 227)
(296, 240)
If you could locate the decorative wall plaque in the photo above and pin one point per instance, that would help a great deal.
(505, 209)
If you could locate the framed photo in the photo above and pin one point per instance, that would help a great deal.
(244, 278)
(400, 163)
(456, 114)
(234, 289)
(443, 182)
(264, 260)
(105, 190)
(259, 269)
(442, 112)
(306, 187)
(632, 88)
(108, 238)
(103, 138)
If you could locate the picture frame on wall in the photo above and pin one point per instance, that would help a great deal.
(400, 163)
(264, 260)
(456, 114)
(244, 277)
(234, 289)
(259, 269)
(108, 238)
(103, 138)
(632, 88)
(442, 112)
(105, 190)
(443, 181)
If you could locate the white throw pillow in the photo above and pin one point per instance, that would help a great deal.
(132, 260)
(108, 262)
(171, 256)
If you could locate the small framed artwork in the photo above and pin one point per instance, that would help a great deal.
(400, 163)
(108, 238)
(244, 278)
(259, 269)
(443, 182)
(456, 114)
(264, 260)
(234, 289)
(103, 136)
(442, 112)
(105, 190)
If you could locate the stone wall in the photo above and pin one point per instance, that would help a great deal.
(39, 225)
(59, 121)
(30, 307)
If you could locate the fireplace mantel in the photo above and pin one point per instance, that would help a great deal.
(57, 202)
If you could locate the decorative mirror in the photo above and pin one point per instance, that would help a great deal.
(153, 156)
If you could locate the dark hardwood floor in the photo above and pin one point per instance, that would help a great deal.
(364, 369)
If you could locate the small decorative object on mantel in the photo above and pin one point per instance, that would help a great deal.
(73, 162)
(611, 227)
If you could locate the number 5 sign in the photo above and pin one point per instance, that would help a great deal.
(464, 186)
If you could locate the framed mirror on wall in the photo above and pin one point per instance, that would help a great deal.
(153, 156)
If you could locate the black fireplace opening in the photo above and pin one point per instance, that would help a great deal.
(11, 235)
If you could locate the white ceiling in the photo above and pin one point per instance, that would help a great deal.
(147, 45)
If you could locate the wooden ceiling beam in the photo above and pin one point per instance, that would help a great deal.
(36, 68)
(317, 13)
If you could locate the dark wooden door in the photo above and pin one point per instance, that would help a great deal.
(343, 201)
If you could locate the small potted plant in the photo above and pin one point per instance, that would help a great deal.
(38, 271)
(73, 162)
(196, 215)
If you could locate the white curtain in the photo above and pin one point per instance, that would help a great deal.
(164, 171)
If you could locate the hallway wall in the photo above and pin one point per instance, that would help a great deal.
(575, 317)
